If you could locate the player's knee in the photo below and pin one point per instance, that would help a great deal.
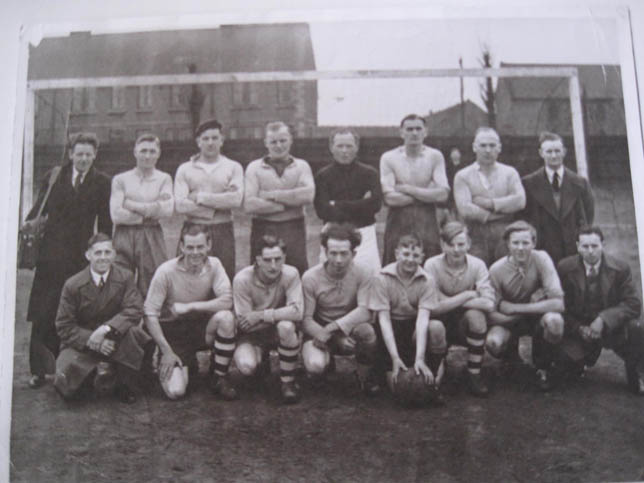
(314, 359)
(476, 321)
(224, 321)
(286, 330)
(436, 330)
(364, 334)
(553, 327)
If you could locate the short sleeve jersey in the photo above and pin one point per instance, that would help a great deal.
(474, 276)
(516, 284)
(401, 298)
(327, 299)
(173, 283)
(251, 294)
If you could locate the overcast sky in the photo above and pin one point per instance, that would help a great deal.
(429, 43)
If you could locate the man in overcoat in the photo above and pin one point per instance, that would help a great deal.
(558, 201)
(98, 324)
(603, 309)
(78, 199)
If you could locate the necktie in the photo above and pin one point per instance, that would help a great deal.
(101, 283)
(555, 182)
(77, 182)
(592, 272)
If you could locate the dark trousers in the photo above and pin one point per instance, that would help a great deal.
(292, 232)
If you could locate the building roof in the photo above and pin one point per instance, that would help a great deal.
(230, 48)
(447, 122)
(597, 82)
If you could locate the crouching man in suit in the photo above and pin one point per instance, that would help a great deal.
(602, 309)
(97, 322)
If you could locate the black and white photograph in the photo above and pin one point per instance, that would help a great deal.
(333, 244)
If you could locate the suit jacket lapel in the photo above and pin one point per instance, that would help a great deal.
(579, 276)
(543, 195)
(606, 280)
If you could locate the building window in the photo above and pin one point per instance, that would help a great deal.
(285, 93)
(258, 133)
(233, 133)
(245, 94)
(169, 135)
(177, 97)
(118, 98)
(144, 97)
(84, 99)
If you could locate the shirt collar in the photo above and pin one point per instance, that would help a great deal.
(96, 277)
(391, 270)
(197, 162)
(258, 281)
(551, 172)
(76, 172)
(152, 177)
(588, 266)
(266, 161)
(181, 267)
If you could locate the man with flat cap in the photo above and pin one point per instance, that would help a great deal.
(207, 187)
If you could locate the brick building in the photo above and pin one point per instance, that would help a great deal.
(118, 114)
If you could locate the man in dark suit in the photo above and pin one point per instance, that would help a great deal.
(79, 197)
(97, 321)
(558, 201)
(602, 309)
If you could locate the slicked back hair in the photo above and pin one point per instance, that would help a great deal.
(271, 241)
(549, 136)
(413, 117)
(194, 229)
(520, 225)
(344, 130)
(486, 129)
(83, 138)
(148, 137)
(341, 231)
(276, 126)
(589, 230)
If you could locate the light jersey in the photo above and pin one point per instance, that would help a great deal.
(474, 276)
(219, 187)
(515, 284)
(402, 299)
(173, 283)
(130, 185)
(251, 294)
(503, 185)
(297, 176)
(426, 170)
(327, 299)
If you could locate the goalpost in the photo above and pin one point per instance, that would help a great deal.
(219, 78)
